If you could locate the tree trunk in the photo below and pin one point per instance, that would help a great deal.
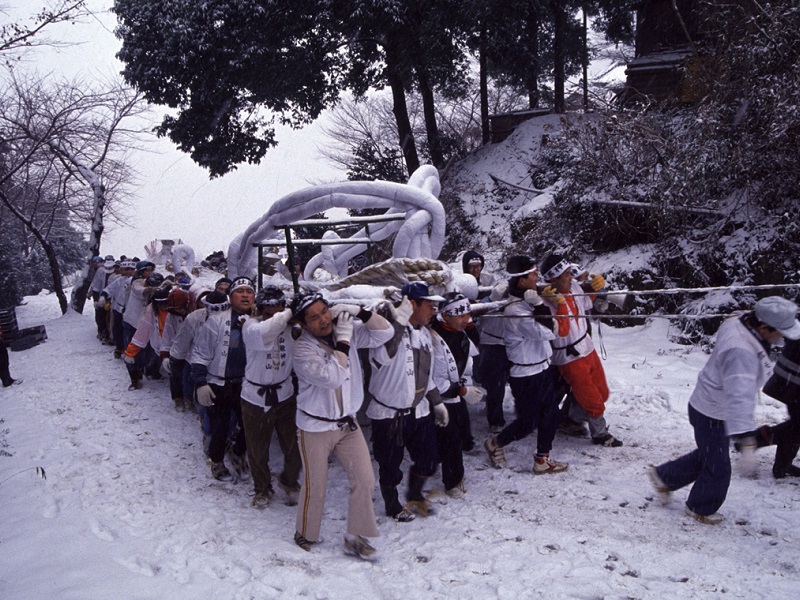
(585, 60)
(400, 110)
(52, 258)
(559, 76)
(429, 109)
(532, 74)
(483, 78)
(78, 298)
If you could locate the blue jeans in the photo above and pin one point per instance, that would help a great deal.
(709, 466)
(494, 375)
(537, 407)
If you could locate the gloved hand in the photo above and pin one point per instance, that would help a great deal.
(402, 313)
(499, 291)
(343, 328)
(597, 282)
(474, 394)
(128, 360)
(533, 298)
(338, 309)
(551, 295)
(165, 366)
(748, 467)
(205, 395)
(100, 303)
(440, 415)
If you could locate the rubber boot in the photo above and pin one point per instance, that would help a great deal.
(417, 502)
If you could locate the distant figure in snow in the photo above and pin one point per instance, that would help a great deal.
(5, 374)
(722, 404)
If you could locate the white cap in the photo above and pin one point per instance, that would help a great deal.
(780, 314)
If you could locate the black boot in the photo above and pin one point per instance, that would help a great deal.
(135, 375)
(784, 455)
(391, 500)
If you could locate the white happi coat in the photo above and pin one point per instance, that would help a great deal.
(269, 346)
(578, 336)
(527, 341)
(181, 347)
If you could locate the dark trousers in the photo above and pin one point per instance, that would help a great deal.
(494, 376)
(5, 375)
(258, 428)
(101, 320)
(127, 334)
(787, 436)
(449, 443)
(390, 439)
(116, 331)
(536, 407)
(709, 466)
(227, 401)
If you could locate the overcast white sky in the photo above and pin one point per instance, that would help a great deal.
(174, 197)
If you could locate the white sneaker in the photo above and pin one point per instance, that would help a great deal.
(714, 519)
(664, 493)
(545, 464)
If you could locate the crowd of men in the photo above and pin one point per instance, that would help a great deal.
(253, 362)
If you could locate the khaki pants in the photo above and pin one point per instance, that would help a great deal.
(351, 450)
(258, 428)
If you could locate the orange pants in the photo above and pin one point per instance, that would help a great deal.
(588, 382)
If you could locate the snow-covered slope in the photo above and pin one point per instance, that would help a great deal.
(129, 510)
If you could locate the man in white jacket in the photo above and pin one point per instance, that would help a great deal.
(218, 370)
(404, 397)
(528, 333)
(330, 392)
(268, 398)
(722, 405)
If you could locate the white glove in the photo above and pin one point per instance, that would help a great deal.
(402, 313)
(100, 303)
(499, 291)
(205, 395)
(338, 309)
(165, 366)
(474, 394)
(440, 415)
(128, 360)
(748, 466)
(343, 328)
(532, 297)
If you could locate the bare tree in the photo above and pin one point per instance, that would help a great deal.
(17, 36)
(64, 153)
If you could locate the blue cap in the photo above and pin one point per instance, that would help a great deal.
(419, 290)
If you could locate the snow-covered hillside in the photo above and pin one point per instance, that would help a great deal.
(129, 510)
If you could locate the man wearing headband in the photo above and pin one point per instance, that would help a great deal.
(101, 279)
(721, 407)
(574, 351)
(529, 331)
(330, 392)
(404, 396)
(268, 399)
(218, 369)
(116, 293)
(455, 341)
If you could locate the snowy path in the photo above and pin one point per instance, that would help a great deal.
(128, 509)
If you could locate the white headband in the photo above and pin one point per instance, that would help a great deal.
(557, 269)
(456, 308)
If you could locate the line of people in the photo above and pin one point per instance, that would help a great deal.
(256, 364)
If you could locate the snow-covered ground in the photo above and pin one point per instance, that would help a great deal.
(129, 510)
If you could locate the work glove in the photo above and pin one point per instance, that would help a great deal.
(748, 467)
(205, 395)
(533, 298)
(499, 291)
(165, 366)
(597, 282)
(402, 312)
(100, 303)
(128, 360)
(440, 415)
(338, 309)
(343, 328)
(474, 394)
(551, 295)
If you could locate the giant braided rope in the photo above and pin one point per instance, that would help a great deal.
(419, 235)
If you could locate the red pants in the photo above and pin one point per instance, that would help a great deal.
(588, 382)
